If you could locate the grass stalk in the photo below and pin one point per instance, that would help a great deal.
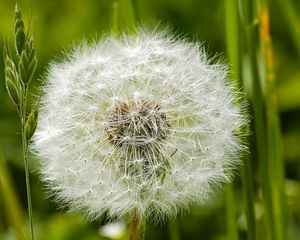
(26, 163)
(233, 35)
(18, 75)
(251, 48)
(232, 38)
(249, 201)
(231, 223)
(114, 19)
(127, 16)
(259, 63)
(274, 138)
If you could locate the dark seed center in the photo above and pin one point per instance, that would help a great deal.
(137, 123)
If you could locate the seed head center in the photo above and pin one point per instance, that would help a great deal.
(137, 123)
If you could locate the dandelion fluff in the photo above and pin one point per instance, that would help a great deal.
(142, 123)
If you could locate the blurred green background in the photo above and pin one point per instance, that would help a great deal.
(59, 23)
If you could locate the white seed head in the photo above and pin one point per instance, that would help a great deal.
(143, 123)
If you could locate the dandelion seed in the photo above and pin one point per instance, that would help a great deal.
(141, 124)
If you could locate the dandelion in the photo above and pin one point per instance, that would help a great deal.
(141, 126)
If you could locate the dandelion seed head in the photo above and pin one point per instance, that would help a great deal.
(142, 123)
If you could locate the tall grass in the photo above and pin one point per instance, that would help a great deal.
(19, 71)
(231, 212)
(274, 138)
(235, 55)
(251, 56)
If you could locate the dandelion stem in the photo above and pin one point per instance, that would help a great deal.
(137, 227)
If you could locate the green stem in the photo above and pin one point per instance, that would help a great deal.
(234, 39)
(247, 181)
(258, 105)
(26, 162)
(115, 20)
(266, 126)
(126, 15)
(274, 139)
(232, 230)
